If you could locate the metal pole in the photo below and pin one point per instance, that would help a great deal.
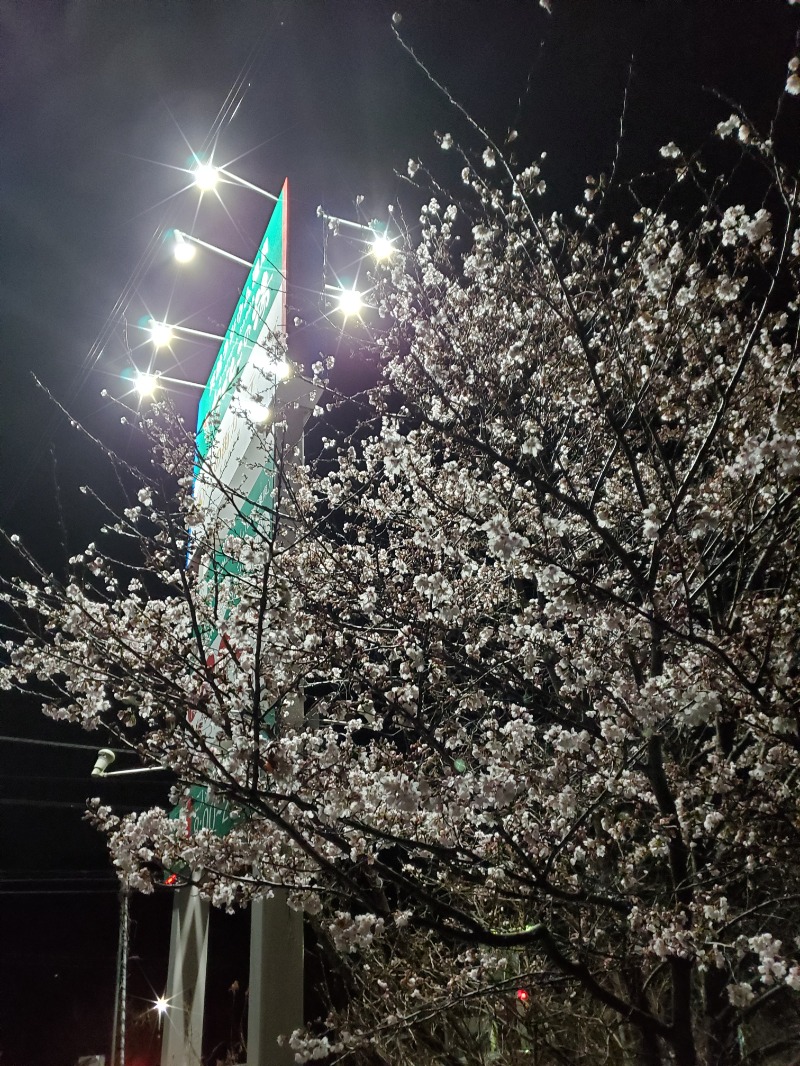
(115, 1023)
(123, 1008)
(119, 1024)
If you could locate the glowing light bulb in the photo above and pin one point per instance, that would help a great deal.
(206, 176)
(350, 302)
(183, 251)
(160, 333)
(382, 247)
(283, 370)
(256, 412)
(145, 384)
(161, 1005)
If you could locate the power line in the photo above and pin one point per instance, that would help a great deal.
(57, 875)
(88, 891)
(62, 744)
(64, 804)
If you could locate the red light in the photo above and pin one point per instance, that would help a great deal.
(522, 995)
(173, 880)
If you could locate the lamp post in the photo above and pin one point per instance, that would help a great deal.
(120, 1024)
(105, 757)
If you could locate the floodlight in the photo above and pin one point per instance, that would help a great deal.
(183, 250)
(161, 1005)
(283, 370)
(350, 302)
(160, 333)
(382, 247)
(272, 364)
(145, 384)
(206, 176)
(258, 413)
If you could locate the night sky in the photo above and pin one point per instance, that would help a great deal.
(101, 106)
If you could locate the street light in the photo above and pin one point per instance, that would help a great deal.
(207, 177)
(382, 247)
(350, 302)
(280, 368)
(257, 412)
(147, 383)
(184, 249)
(105, 757)
(160, 333)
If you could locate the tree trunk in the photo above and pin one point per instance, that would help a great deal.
(721, 1046)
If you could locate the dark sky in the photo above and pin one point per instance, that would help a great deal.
(101, 104)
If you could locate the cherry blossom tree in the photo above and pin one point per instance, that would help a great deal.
(502, 687)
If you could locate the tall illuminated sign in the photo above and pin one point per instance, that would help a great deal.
(235, 476)
(240, 392)
(259, 314)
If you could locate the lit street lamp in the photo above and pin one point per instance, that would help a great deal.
(350, 302)
(382, 247)
(206, 176)
(146, 383)
(184, 249)
(162, 333)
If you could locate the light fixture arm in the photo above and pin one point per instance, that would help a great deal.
(345, 222)
(247, 184)
(105, 757)
(190, 331)
(181, 381)
(135, 770)
(212, 248)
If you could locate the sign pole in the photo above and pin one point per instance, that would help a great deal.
(182, 1044)
(275, 1005)
(276, 930)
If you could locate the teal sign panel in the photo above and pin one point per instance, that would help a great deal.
(202, 814)
(265, 284)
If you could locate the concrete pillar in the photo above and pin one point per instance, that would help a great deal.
(182, 1043)
(275, 1002)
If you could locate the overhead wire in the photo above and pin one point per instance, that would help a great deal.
(62, 744)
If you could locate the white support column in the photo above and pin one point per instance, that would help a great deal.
(275, 998)
(186, 980)
(275, 1001)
